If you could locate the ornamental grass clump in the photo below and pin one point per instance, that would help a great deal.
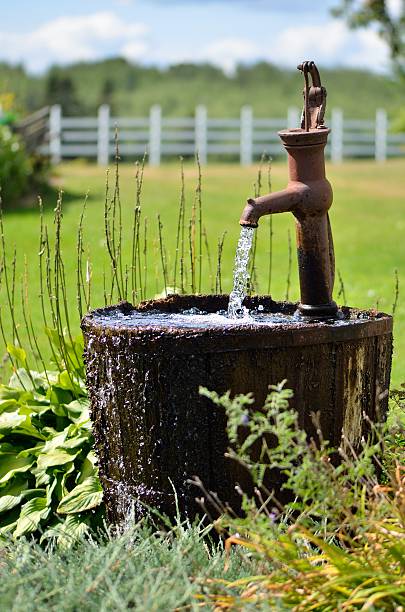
(339, 543)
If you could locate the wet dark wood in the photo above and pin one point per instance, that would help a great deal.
(154, 431)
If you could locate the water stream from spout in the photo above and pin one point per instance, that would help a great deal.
(236, 310)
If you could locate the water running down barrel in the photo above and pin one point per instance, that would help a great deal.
(154, 431)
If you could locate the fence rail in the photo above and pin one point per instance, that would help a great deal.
(245, 138)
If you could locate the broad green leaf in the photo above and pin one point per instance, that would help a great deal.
(77, 441)
(67, 382)
(61, 475)
(7, 502)
(10, 420)
(56, 439)
(30, 409)
(31, 515)
(57, 395)
(6, 404)
(9, 522)
(59, 409)
(50, 376)
(11, 463)
(50, 489)
(88, 468)
(17, 353)
(6, 448)
(12, 495)
(21, 380)
(13, 422)
(57, 456)
(7, 393)
(34, 450)
(85, 496)
(67, 532)
(31, 493)
(42, 478)
(78, 410)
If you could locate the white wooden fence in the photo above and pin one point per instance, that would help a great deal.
(244, 138)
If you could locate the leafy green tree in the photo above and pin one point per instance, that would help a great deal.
(60, 89)
(390, 23)
(107, 93)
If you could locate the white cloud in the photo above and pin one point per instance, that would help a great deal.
(329, 44)
(70, 39)
(134, 50)
(228, 52)
(103, 34)
(395, 8)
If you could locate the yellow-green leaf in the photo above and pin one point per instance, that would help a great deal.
(12, 494)
(31, 515)
(11, 464)
(17, 353)
(85, 496)
(58, 456)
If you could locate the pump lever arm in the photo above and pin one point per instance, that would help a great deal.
(314, 98)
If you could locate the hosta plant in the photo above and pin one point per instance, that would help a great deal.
(49, 486)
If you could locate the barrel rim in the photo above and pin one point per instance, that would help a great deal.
(237, 337)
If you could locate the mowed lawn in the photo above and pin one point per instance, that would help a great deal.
(368, 222)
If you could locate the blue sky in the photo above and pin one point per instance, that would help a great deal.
(161, 32)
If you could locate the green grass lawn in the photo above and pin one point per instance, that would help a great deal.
(367, 217)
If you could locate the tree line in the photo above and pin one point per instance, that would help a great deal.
(132, 89)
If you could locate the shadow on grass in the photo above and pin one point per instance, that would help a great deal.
(48, 193)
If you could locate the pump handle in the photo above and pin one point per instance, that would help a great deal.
(314, 98)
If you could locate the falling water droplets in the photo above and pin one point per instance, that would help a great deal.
(241, 274)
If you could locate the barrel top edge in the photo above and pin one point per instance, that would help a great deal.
(366, 323)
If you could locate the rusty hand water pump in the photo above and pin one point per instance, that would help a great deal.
(154, 432)
(308, 196)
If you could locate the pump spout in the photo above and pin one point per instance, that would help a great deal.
(282, 201)
(308, 196)
(285, 200)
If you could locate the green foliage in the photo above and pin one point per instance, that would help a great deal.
(15, 167)
(179, 88)
(48, 474)
(390, 26)
(340, 542)
(60, 89)
(398, 125)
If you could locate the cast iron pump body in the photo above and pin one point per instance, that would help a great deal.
(308, 196)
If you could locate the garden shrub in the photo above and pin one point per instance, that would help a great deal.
(16, 167)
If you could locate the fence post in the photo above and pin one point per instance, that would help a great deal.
(293, 118)
(200, 138)
(336, 149)
(155, 135)
(55, 134)
(381, 127)
(246, 136)
(103, 135)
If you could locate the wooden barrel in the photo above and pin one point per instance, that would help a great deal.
(153, 430)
